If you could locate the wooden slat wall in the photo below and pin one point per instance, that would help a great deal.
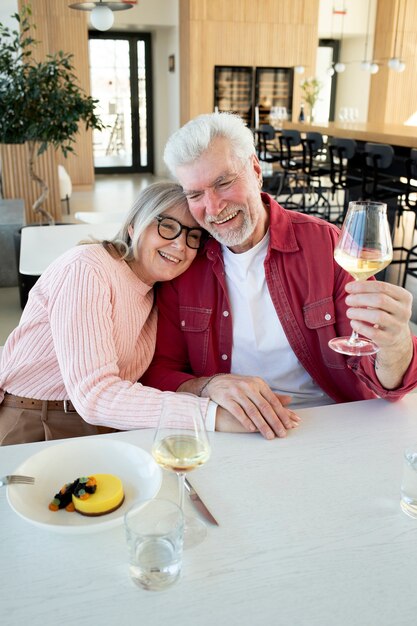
(242, 32)
(16, 181)
(60, 28)
(393, 96)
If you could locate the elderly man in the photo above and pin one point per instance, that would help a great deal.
(249, 323)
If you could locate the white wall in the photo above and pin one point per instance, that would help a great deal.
(8, 8)
(166, 98)
(353, 85)
(354, 21)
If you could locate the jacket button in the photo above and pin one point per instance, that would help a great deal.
(224, 357)
(226, 313)
(182, 322)
(327, 317)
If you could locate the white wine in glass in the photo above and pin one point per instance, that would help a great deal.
(180, 445)
(364, 249)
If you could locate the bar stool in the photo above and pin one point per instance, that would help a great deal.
(410, 261)
(291, 162)
(377, 184)
(265, 144)
(314, 155)
(341, 151)
(268, 152)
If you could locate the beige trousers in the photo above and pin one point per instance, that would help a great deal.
(28, 425)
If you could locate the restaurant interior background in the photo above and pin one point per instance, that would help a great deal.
(178, 43)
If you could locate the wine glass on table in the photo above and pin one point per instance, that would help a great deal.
(180, 445)
(364, 248)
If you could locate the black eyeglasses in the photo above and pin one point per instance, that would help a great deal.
(170, 228)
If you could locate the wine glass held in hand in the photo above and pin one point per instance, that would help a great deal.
(180, 445)
(364, 248)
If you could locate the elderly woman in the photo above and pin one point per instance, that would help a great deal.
(87, 333)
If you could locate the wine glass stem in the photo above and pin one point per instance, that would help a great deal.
(181, 489)
(354, 337)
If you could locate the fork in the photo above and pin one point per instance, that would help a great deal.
(15, 479)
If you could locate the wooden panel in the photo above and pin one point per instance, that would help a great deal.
(17, 183)
(242, 32)
(392, 95)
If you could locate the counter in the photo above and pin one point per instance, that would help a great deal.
(394, 134)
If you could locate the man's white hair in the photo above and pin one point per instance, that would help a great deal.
(189, 142)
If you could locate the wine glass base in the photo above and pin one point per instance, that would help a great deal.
(195, 531)
(359, 347)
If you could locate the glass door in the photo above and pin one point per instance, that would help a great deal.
(120, 71)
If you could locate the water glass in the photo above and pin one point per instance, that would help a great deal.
(154, 533)
(409, 482)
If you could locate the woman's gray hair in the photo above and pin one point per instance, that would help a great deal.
(151, 202)
(189, 142)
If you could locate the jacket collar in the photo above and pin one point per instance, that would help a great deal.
(282, 236)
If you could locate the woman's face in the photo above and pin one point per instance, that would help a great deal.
(160, 259)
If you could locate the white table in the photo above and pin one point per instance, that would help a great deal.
(311, 533)
(40, 245)
(99, 217)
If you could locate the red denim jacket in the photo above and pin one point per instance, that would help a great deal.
(307, 289)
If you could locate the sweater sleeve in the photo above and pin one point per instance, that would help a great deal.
(82, 314)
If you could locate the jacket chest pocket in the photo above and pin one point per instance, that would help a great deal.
(320, 316)
(195, 324)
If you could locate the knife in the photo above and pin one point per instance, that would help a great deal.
(198, 503)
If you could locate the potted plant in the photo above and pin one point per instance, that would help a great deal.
(41, 102)
(311, 88)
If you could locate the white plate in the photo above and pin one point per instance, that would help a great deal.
(59, 464)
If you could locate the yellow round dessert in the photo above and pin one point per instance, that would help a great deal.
(108, 496)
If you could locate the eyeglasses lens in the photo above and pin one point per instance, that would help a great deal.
(170, 229)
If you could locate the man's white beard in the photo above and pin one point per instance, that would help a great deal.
(235, 236)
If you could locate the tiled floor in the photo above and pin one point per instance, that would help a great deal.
(111, 193)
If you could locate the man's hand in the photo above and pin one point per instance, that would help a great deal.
(381, 312)
(250, 401)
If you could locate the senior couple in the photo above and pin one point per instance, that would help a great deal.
(244, 314)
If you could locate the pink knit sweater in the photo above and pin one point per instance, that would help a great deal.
(87, 334)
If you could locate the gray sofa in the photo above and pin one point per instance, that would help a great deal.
(11, 219)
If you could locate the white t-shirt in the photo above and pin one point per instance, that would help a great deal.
(260, 347)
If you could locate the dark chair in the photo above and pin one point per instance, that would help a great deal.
(291, 162)
(341, 151)
(316, 171)
(410, 205)
(25, 281)
(377, 183)
(266, 148)
(268, 152)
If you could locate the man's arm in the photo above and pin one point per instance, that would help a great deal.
(247, 399)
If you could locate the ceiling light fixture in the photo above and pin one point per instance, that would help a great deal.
(368, 66)
(395, 63)
(340, 67)
(102, 16)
